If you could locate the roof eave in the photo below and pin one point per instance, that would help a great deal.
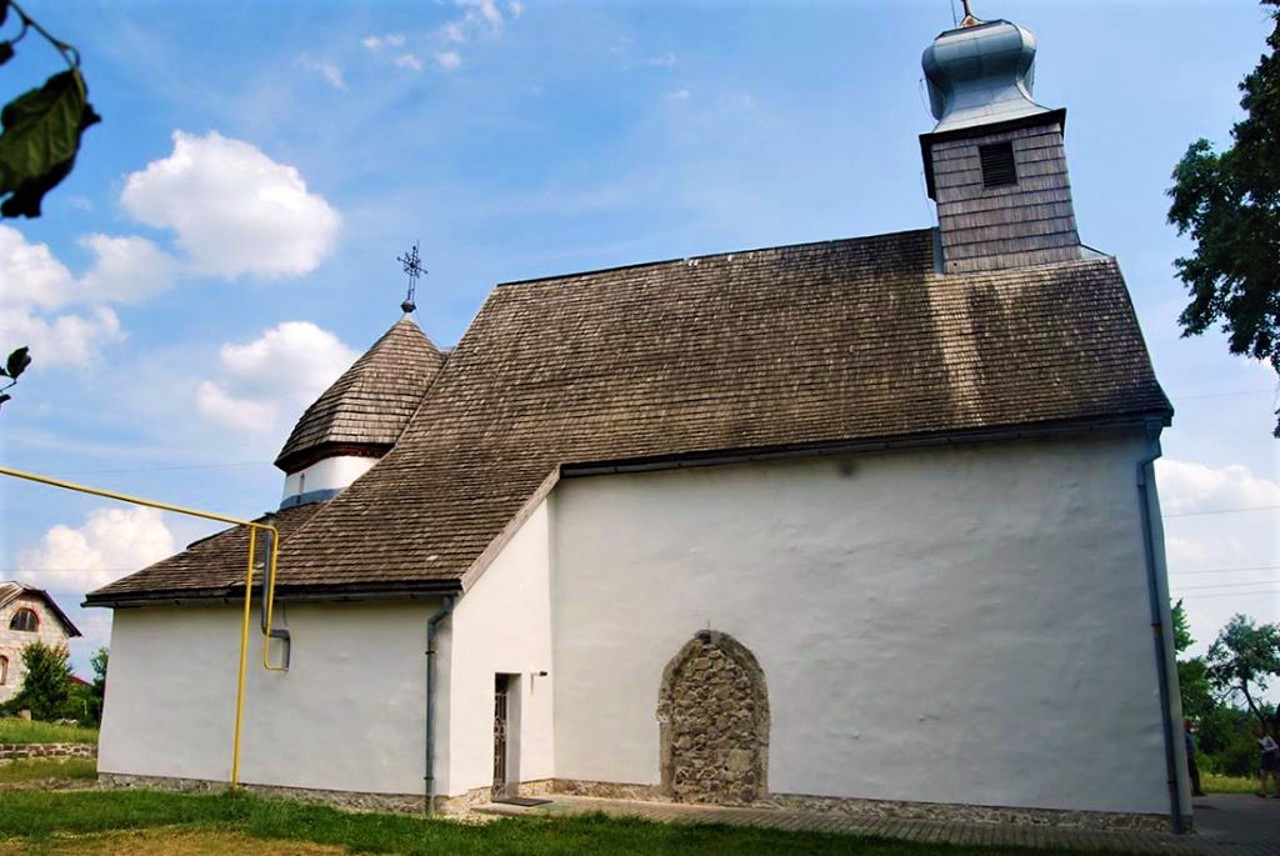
(329, 593)
(1147, 420)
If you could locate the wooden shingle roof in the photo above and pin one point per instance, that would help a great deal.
(371, 402)
(214, 566)
(790, 348)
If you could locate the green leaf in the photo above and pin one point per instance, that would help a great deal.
(6, 52)
(41, 136)
(18, 362)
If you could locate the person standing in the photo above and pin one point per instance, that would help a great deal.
(1188, 734)
(1269, 764)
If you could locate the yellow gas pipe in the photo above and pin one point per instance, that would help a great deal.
(248, 581)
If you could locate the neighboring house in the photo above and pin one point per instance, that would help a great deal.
(865, 525)
(27, 615)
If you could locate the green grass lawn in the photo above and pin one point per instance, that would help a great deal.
(1216, 784)
(78, 821)
(48, 768)
(22, 731)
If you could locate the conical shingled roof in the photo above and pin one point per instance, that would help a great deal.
(365, 410)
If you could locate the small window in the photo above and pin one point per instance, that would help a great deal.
(24, 619)
(4, 671)
(997, 165)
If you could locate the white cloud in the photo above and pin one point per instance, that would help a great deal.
(479, 18)
(448, 60)
(127, 268)
(482, 10)
(30, 273)
(243, 414)
(516, 8)
(377, 43)
(234, 209)
(36, 286)
(329, 71)
(1187, 487)
(111, 543)
(666, 60)
(68, 340)
(681, 94)
(409, 61)
(274, 377)
(453, 32)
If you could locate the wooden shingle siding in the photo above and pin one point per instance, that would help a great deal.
(1004, 214)
(835, 342)
(991, 228)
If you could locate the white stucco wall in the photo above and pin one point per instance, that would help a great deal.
(502, 625)
(348, 715)
(961, 625)
(329, 474)
(49, 630)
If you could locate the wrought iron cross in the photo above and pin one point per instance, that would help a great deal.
(413, 267)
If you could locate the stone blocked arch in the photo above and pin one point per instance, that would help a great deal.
(713, 715)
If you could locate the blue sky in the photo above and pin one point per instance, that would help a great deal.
(227, 242)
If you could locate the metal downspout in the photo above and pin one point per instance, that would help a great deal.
(1146, 476)
(446, 607)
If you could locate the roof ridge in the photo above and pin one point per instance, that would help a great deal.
(710, 256)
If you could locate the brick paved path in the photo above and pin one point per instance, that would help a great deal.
(1228, 826)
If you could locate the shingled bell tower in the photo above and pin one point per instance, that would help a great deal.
(995, 164)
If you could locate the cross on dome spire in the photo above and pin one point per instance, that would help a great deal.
(413, 267)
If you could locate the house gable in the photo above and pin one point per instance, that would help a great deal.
(27, 615)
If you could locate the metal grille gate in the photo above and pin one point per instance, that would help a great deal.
(500, 718)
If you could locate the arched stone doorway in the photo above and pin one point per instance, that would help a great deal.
(713, 711)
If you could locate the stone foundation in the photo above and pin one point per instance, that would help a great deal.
(895, 809)
(962, 813)
(401, 803)
(457, 804)
(608, 790)
(29, 751)
(460, 804)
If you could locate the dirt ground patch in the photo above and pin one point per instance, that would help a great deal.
(164, 842)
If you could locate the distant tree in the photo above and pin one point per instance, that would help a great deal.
(1243, 660)
(1230, 203)
(46, 686)
(99, 664)
(1198, 702)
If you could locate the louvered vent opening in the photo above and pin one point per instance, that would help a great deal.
(997, 165)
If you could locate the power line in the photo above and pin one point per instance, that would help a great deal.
(38, 571)
(1223, 511)
(163, 469)
(1222, 571)
(1229, 594)
(1223, 394)
(1229, 585)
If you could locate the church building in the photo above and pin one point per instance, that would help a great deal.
(863, 525)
